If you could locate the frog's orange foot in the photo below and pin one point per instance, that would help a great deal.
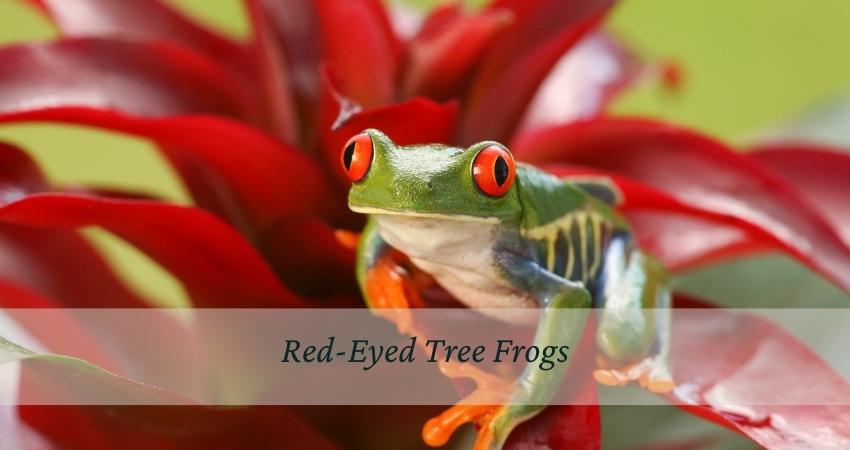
(438, 430)
(651, 373)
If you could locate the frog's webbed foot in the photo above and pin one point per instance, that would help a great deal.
(652, 374)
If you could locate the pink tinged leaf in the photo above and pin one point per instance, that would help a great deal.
(748, 357)
(216, 265)
(519, 61)
(232, 170)
(701, 173)
(360, 48)
(584, 81)
(444, 53)
(146, 19)
(144, 79)
(820, 174)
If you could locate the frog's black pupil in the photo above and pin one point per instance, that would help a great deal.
(501, 171)
(347, 155)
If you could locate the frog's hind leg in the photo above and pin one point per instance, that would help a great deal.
(634, 323)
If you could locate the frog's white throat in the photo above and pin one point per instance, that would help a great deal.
(458, 243)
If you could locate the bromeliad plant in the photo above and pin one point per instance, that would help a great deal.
(255, 129)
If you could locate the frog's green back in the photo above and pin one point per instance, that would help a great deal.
(567, 226)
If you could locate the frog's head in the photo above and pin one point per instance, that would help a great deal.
(435, 181)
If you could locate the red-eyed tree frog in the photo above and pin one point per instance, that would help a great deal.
(495, 233)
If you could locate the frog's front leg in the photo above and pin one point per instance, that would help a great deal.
(535, 387)
(634, 327)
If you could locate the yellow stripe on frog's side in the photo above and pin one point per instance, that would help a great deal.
(584, 255)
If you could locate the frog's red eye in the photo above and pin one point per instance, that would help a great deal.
(493, 170)
(357, 156)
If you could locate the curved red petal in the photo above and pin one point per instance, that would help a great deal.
(443, 54)
(820, 174)
(361, 48)
(148, 19)
(230, 169)
(141, 78)
(742, 346)
(699, 172)
(519, 61)
(216, 265)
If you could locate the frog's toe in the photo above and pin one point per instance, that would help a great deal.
(438, 430)
(655, 376)
(610, 377)
(651, 373)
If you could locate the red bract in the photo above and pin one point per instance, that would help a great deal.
(254, 130)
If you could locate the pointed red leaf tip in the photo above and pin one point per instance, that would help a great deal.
(215, 264)
(147, 19)
(253, 194)
(699, 172)
(361, 48)
(723, 359)
(174, 427)
(145, 79)
(820, 174)
(441, 57)
(519, 60)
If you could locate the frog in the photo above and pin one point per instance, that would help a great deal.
(497, 233)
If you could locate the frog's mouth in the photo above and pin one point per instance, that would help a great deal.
(428, 215)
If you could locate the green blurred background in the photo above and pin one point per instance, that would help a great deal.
(748, 64)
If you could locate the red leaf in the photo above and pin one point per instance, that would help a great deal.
(821, 175)
(739, 353)
(148, 19)
(230, 169)
(402, 122)
(217, 267)
(145, 79)
(699, 172)
(173, 427)
(296, 27)
(443, 54)
(361, 48)
(274, 78)
(520, 59)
